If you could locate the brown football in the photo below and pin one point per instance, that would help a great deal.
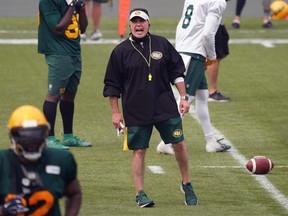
(259, 165)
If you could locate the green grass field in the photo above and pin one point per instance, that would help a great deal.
(255, 122)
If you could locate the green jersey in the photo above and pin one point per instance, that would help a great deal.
(41, 184)
(49, 15)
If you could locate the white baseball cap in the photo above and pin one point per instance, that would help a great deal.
(139, 13)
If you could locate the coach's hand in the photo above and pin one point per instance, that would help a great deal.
(184, 107)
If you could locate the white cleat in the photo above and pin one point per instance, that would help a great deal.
(217, 146)
(83, 37)
(96, 35)
(163, 148)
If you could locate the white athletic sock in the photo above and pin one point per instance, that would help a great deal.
(202, 112)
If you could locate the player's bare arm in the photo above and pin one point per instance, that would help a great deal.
(73, 199)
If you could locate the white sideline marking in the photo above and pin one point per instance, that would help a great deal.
(156, 169)
(262, 180)
(18, 41)
(18, 32)
(268, 43)
(236, 167)
(239, 31)
(224, 167)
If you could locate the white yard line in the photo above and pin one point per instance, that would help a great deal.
(224, 167)
(239, 31)
(269, 43)
(261, 179)
(234, 167)
(156, 169)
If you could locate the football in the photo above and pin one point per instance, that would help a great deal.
(259, 165)
(279, 9)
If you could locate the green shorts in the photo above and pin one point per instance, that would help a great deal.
(195, 77)
(170, 130)
(64, 73)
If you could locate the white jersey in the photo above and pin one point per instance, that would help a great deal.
(198, 25)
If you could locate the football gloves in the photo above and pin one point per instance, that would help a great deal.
(14, 206)
(78, 4)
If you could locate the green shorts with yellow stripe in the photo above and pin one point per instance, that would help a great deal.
(64, 73)
(138, 137)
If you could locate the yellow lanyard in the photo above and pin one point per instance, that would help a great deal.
(148, 62)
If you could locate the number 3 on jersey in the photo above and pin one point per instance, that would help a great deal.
(73, 29)
(188, 15)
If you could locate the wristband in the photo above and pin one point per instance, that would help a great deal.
(185, 97)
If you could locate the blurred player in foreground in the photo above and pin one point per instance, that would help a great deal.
(33, 177)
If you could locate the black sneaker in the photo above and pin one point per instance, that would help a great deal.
(268, 25)
(142, 200)
(190, 197)
(235, 25)
(218, 97)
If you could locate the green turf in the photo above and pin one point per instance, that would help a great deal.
(255, 121)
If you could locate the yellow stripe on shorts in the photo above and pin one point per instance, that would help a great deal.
(125, 143)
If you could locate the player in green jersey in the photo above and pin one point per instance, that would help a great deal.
(33, 177)
(60, 25)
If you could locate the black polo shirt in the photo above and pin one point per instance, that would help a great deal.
(145, 100)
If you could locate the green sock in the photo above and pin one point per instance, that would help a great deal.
(67, 136)
(51, 138)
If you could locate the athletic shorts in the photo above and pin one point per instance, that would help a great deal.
(221, 42)
(170, 130)
(99, 1)
(195, 73)
(64, 73)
